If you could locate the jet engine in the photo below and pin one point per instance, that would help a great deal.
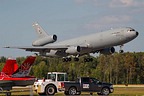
(108, 51)
(73, 50)
(45, 40)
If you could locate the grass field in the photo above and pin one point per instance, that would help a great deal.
(118, 91)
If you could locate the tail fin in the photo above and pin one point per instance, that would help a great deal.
(39, 30)
(10, 67)
(25, 67)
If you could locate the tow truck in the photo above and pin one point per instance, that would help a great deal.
(51, 84)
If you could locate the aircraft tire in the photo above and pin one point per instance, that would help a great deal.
(66, 59)
(121, 51)
(88, 59)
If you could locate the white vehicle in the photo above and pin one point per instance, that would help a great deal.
(51, 84)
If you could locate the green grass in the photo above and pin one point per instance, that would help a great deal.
(126, 91)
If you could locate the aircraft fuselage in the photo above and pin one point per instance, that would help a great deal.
(98, 41)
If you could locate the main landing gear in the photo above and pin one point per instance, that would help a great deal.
(88, 59)
(68, 59)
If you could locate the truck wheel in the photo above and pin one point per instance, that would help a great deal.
(72, 91)
(105, 91)
(50, 90)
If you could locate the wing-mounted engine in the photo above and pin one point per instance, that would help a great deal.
(45, 40)
(107, 51)
(73, 50)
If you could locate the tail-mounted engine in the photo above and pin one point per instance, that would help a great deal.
(45, 40)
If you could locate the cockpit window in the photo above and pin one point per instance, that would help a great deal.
(130, 30)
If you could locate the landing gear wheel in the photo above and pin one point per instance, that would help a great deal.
(88, 59)
(105, 91)
(72, 91)
(121, 51)
(66, 59)
(50, 90)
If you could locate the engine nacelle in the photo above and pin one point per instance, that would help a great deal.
(51, 53)
(73, 50)
(45, 40)
(108, 51)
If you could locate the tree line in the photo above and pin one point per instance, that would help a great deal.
(126, 68)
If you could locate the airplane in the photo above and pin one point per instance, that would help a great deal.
(102, 42)
(12, 75)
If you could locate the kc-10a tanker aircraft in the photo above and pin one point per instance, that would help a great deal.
(102, 42)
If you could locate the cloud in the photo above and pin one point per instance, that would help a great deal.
(109, 21)
(126, 3)
(113, 3)
(93, 2)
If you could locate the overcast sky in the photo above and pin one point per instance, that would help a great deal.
(67, 19)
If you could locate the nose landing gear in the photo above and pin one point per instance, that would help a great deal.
(121, 50)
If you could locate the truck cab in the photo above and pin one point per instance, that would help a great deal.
(50, 85)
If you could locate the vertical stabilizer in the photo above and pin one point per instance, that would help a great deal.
(39, 30)
(43, 37)
(25, 67)
(10, 67)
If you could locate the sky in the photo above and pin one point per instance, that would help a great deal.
(67, 19)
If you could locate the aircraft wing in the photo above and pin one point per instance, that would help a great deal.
(46, 48)
(38, 49)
